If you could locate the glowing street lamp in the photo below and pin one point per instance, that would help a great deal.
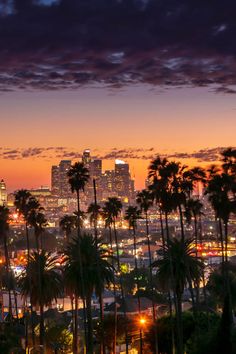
(142, 321)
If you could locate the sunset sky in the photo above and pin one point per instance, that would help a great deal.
(152, 121)
(127, 81)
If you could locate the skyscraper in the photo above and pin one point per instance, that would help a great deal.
(55, 180)
(123, 184)
(59, 179)
(86, 158)
(3, 193)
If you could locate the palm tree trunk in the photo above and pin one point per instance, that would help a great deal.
(75, 338)
(31, 306)
(102, 347)
(179, 324)
(172, 286)
(181, 222)
(26, 326)
(114, 291)
(138, 287)
(81, 270)
(227, 271)
(222, 243)
(16, 304)
(36, 240)
(27, 241)
(226, 241)
(72, 320)
(41, 240)
(42, 330)
(151, 283)
(122, 288)
(90, 324)
(162, 230)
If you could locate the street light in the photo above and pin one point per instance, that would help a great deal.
(142, 321)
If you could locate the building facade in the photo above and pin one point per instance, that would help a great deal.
(3, 193)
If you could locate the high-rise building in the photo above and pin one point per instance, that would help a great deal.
(59, 179)
(64, 167)
(117, 182)
(95, 168)
(3, 193)
(123, 184)
(86, 157)
(55, 180)
(107, 184)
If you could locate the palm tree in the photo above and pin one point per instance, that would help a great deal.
(43, 286)
(221, 189)
(4, 229)
(26, 204)
(94, 211)
(21, 203)
(38, 221)
(113, 207)
(132, 214)
(162, 193)
(194, 211)
(145, 201)
(98, 273)
(229, 160)
(185, 266)
(108, 218)
(78, 177)
(67, 224)
(158, 183)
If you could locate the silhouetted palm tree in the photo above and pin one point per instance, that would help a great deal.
(78, 177)
(108, 219)
(157, 179)
(114, 207)
(26, 204)
(94, 212)
(145, 201)
(229, 161)
(38, 221)
(43, 286)
(98, 272)
(21, 203)
(132, 214)
(193, 211)
(68, 223)
(185, 266)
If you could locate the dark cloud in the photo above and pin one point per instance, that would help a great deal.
(115, 43)
(59, 152)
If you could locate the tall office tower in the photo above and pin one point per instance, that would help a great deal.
(55, 180)
(86, 158)
(3, 193)
(122, 181)
(59, 179)
(107, 184)
(65, 189)
(95, 168)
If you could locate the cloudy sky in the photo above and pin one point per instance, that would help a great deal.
(127, 79)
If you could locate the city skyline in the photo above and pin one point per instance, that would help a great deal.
(42, 123)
